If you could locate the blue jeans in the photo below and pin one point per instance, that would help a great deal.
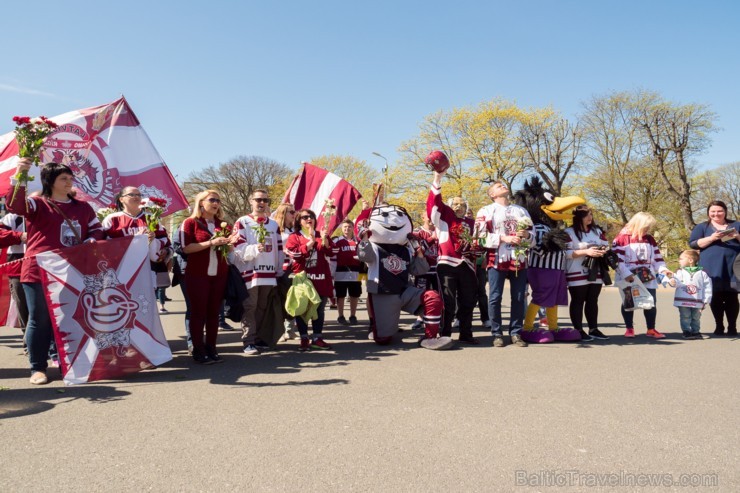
(317, 325)
(649, 314)
(39, 334)
(159, 292)
(690, 319)
(517, 288)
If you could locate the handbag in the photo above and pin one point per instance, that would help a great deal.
(235, 295)
(163, 279)
(635, 295)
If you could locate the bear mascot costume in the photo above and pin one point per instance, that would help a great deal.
(384, 246)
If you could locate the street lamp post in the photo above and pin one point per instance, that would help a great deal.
(385, 173)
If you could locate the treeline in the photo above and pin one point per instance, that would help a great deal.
(625, 152)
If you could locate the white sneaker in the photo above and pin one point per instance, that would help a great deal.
(251, 350)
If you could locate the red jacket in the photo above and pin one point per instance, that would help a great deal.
(196, 231)
(48, 230)
(313, 263)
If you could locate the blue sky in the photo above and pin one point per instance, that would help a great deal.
(290, 80)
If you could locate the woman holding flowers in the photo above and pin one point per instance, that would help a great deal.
(131, 218)
(207, 271)
(55, 220)
(309, 250)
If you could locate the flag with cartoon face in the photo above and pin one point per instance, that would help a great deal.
(102, 308)
(107, 149)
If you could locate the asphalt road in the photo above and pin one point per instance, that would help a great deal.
(630, 415)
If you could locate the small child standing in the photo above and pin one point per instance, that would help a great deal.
(693, 293)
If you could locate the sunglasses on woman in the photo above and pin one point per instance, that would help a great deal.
(213, 200)
(264, 201)
(306, 218)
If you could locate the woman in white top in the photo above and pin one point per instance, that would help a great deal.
(587, 240)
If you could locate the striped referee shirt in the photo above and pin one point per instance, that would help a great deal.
(540, 259)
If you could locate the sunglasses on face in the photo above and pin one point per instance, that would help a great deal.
(213, 200)
(290, 212)
(266, 201)
(306, 218)
(137, 195)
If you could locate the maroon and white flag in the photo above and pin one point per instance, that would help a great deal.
(102, 308)
(107, 149)
(314, 186)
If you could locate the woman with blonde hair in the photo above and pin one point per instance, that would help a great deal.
(640, 256)
(285, 219)
(207, 272)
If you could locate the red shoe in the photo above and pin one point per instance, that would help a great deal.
(305, 344)
(629, 333)
(320, 344)
(655, 334)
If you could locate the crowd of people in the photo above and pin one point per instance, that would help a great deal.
(292, 270)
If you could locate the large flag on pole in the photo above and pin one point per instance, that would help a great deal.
(314, 186)
(102, 308)
(107, 149)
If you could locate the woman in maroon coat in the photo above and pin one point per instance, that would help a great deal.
(309, 251)
(207, 272)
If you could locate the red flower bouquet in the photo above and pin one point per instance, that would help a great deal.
(154, 208)
(30, 133)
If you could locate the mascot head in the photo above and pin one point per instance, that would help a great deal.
(542, 204)
(389, 224)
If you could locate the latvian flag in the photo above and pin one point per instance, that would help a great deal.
(102, 308)
(107, 149)
(314, 186)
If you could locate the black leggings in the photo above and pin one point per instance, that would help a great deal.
(725, 302)
(587, 295)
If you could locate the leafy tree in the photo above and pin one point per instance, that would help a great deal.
(613, 152)
(488, 136)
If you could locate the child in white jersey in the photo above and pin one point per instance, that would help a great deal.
(693, 293)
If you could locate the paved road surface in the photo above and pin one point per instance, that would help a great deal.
(560, 417)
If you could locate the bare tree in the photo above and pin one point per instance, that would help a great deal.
(236, 179)
(551, 145)
(673, 133)
(721, 183)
